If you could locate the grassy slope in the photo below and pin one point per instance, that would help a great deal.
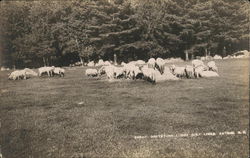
(41, 117)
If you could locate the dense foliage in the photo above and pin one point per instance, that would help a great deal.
(62, 32)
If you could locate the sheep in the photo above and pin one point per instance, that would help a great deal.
(59, 71)
(101, 71)
(209, 74)
(118, 72)
(100, 63)
(197, 62)
(48, 70)
(198, 71)
(217, 57)
(140, 63)
(91, 64)
(148, 73)
(160, 64)
(178, 71)
(151, 63)
(131, 71)
(109, 70)
(123, 63)
(107, 63)
(91, 72)
(29, 72)
(211, 66)
(169, 76)
(18, 74)
(189, 70)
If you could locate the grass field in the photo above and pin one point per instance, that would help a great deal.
(42, 117)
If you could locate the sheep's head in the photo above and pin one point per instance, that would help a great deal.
(172, 68)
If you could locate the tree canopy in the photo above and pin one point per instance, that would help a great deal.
(36, 33)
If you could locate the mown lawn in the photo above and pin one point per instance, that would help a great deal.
(42, 117)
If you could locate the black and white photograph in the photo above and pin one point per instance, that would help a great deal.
(124, 78)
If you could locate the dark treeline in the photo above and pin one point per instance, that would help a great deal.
(62, 32)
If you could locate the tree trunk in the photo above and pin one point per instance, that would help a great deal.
(186, 53)
(115, 59)
(44, 61)
(206, 53)
(47, 59)
(81, 61)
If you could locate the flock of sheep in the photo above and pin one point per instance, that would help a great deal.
(26, 73)
(154, 70)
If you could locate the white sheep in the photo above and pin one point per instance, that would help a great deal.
(160, 64)
(48, 70)
(169, 76)
(107, 63)
(91, 72)
(110, 71)
(131, 71)
(17, 74)
(118, 72)
(123, 63)
(212, 66)
(209, 74)
(217, 57)
(91, 64)
(100, 63)
(198, 71)
(151, 63)
(140, 63)
(178, 71)
(148, 73)
(197, 63)
(59, 71)
(189, 70)
(30, 72)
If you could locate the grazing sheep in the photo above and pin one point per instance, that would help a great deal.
(178, 71)
(211, 66)
(100, 63)
(48, 70)
(59, 71)
(110, 71)
(140, 63)
(148, 73)
(217, 57)
(209, 74)
(91, 72)
(151, 63)
(189, 70)
(118, 72)
(4, 69)
(101, 71)
(18, 74)
(131, 71)
(160, 64)
(198, 71)
(122, 64)
(227, 57)
(197, 63)
(169, 76)
(91, 64)
(21, 74)
(107, 63)
(30, 72)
